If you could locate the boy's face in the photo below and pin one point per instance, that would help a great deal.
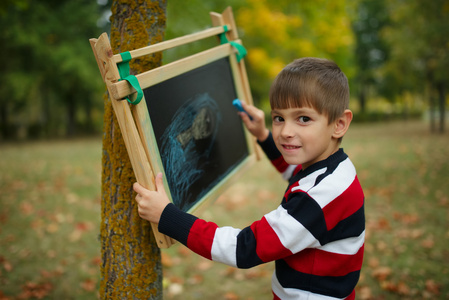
(303, 136)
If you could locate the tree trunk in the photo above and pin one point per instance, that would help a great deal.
(131, 266)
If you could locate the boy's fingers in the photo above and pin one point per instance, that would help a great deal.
(245, 118)
(249, 108)
(138, 188)
(160, 183)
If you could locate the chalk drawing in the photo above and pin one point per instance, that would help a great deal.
(187, 144)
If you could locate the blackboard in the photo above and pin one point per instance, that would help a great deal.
(200, 137)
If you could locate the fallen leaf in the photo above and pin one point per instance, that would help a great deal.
(184, 251)
(88, 285)
(364, 293)
(432, 287)
(373, 262)
(231, 296)
(204, 265)
(382, 246)
(3, 296)
(230, 271)
(75, 235)
(6, 265)
(52, 228)
(389, 286)
(381, 273)
(26, 208)
(35, 290)
(83, 226)
(428, 243)
(166, 260)
(383, 224)
(257, 273)
(97, 261)
(403, 289)
(195, 279)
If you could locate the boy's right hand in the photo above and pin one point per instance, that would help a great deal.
(256, 126)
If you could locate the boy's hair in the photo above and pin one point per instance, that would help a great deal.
(312, 82)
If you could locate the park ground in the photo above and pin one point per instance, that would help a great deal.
(50, 204)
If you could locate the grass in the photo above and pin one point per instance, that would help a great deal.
(50, 217)
(49, 220)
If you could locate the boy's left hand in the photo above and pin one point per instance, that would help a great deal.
(151, 204)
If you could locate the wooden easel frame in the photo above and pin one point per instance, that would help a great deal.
(134, 120)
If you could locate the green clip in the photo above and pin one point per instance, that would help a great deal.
(135, 84)
(123, 69)
(241, 51)
(223, 38)
(123, 66)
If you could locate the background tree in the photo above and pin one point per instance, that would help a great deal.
(131, 266)
(278, 31)
(370, 49)
(49, 82)
(419, 61)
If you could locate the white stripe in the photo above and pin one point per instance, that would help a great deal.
(224, 246)
(347, 246)
(334, 184)
(308, 182)
(295, 294)
(288, 172)
(292, 234)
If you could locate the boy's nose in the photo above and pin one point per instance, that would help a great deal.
(287, 131)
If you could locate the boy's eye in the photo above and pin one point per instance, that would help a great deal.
(278, 119)
(304, 119)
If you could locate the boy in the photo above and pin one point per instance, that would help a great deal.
(316, 236)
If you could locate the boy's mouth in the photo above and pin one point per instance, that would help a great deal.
(290, 147)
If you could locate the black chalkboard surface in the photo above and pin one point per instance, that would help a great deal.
(199, 135)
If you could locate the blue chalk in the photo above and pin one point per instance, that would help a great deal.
(239, 107)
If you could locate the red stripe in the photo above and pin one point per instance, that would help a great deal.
(201, 238)
(275, 297)
(269, 247)
(344, 205)
(323, 263)
(352, 296)
(280, 164)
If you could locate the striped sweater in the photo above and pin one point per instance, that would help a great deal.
(316, 236)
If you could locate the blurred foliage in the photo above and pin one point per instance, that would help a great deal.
(50, 82)
(371, 50)
(275, 33)
(392, 51)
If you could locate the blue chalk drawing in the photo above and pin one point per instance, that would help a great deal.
(186, 144)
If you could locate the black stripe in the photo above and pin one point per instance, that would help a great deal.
(246, 249)
(307, 212)
(332, 286)
(175, 223)
(352, 226)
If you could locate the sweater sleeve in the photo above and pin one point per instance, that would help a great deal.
(276, 235)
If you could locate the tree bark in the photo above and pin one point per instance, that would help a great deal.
(131, 267)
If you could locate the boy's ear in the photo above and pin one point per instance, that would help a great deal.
(342, 124)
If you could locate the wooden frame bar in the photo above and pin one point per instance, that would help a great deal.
(174, 42)
(122, 89)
